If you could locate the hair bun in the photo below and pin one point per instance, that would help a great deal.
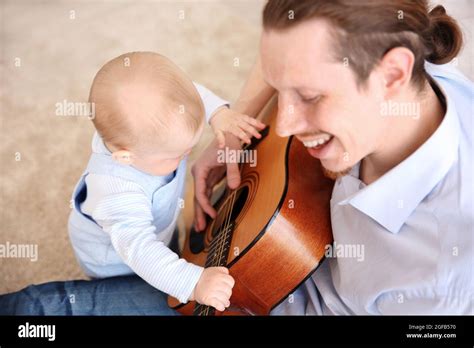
(445, 38)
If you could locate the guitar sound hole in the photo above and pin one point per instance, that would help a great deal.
(196, 240)
(223, 218)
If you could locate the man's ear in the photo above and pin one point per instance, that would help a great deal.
(396, 67)
(123, 157)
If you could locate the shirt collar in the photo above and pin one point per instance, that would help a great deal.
(392, 198)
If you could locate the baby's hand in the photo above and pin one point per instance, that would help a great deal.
(214, 288)
(242, 126)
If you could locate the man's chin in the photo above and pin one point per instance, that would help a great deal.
(335, 175)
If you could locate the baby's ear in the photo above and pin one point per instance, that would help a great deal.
(123, 157)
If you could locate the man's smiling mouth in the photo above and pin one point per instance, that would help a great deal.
(317, 141)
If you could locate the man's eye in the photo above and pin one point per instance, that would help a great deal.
(311, 99)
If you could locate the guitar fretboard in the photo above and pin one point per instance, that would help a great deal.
(216, 257)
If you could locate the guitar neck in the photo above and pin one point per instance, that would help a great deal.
(217, 257)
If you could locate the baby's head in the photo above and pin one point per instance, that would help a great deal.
(147, 111)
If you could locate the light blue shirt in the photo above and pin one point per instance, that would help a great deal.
(405, 241)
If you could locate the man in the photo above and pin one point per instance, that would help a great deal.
(395, 132)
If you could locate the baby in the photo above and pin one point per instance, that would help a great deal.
(148, 117)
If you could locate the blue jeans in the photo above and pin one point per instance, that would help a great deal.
(127, 295)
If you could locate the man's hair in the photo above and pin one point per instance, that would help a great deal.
(175, 101)
(365, 30)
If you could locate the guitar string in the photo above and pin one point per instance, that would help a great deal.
(233, 198)
(227, 224)
(225, 231)
(233, 194)
(222, 237)
(221, 251)
(216, 242)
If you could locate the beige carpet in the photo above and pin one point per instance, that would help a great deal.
(50, 51)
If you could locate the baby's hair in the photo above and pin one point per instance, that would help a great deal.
(140, 97)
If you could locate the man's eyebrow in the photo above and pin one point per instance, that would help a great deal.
(307, 89)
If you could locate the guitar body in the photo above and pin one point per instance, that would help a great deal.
(279, 223)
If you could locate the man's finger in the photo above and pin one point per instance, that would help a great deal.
(205, 203)
(233, 175)
(200, 188)
(199, 217)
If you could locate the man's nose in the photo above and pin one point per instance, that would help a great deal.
(290, 120)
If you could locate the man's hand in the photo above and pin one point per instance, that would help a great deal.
(207, 172)
(214, 288)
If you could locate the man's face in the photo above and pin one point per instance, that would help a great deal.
(318, 98)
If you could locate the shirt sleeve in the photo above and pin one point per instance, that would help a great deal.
(125, 213)
(211, 101)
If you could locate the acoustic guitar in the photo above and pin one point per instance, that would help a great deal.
(271, 231)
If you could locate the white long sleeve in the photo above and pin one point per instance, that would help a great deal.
(211, 101)
(124, 212)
